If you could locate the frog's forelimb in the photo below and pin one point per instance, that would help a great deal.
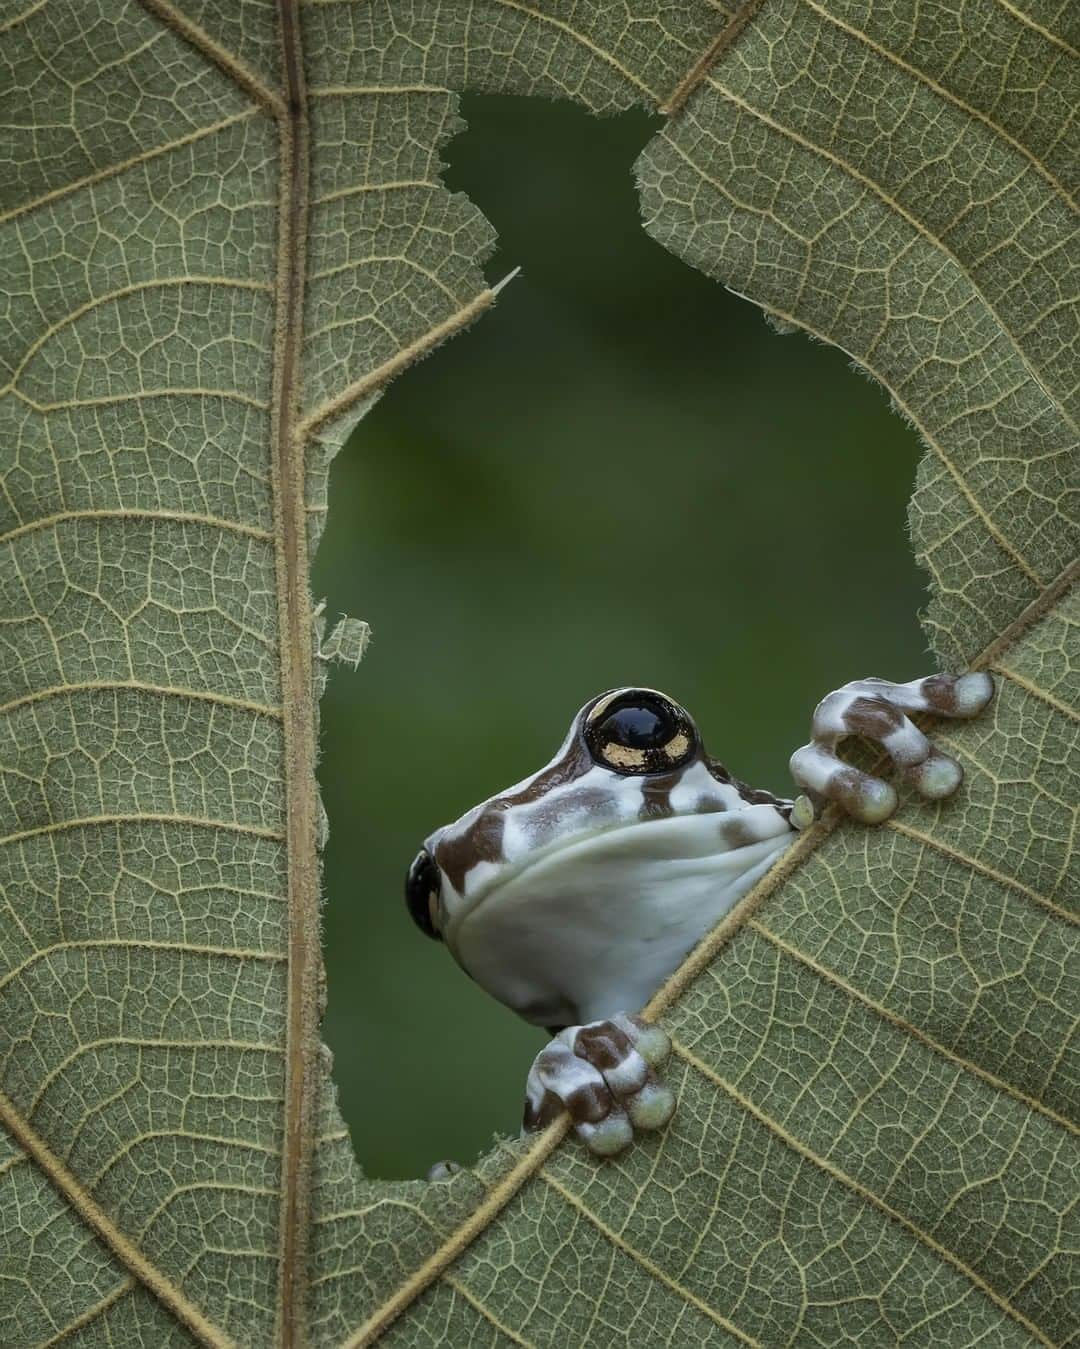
(604, 1075)
(876, 709)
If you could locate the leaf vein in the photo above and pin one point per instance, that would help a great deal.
(942, 92)
(247, 1144)
(358, 189)
(193, 821)
(354, 265)
(1029, 615)
(70, 1190)
(598, 52)
(240, 1046)
(226, 61)
(111, 170)
(18, 1159)
(109, 400)
(461, 1237)
(861, 1192)
(1010, 882)
(173, 517)
(485, 1312)
(838, 981)
(92, 1313)
(382, 374)
(1029, 22)
(121, 293)
(1036, 691)
(137, 944)
(677, 99)
(645, 1263)
(138, 686)
(221, 1186)
(16, 19)
(894, 205)
(363, 90)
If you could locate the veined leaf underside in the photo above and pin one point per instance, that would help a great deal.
(224, 232)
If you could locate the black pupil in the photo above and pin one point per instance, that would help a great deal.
(420, 884)
(637, 726)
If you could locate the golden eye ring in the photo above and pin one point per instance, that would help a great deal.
(638, 731)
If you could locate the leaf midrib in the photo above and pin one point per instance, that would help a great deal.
(294, 622)
(295, 627)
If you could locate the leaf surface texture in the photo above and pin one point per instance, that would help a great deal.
(223, 231)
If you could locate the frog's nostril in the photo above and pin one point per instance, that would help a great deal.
(423, 886)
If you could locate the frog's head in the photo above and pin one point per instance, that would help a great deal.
(573, 893)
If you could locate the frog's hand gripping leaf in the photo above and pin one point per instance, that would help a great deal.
(604, 1073)
(875, 710)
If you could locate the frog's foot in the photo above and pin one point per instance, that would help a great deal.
(604, 1075)
(876, 710)
(444, 1170)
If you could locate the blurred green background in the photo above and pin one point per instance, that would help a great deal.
(620, 475)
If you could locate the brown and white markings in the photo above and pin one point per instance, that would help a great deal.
(604, 1075)
(572, 895)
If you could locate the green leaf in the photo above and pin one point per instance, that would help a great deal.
(223, 232)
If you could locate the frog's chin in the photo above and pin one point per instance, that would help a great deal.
(594, 925)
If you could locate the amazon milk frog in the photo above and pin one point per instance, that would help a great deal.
(572, 895)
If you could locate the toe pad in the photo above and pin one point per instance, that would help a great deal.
(604, 1075)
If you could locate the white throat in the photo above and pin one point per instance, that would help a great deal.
(596, 926)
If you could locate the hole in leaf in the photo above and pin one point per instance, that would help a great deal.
(620, 475)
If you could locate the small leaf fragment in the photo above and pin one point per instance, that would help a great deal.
(348, 641)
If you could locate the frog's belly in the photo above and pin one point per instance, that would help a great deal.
(596, 927)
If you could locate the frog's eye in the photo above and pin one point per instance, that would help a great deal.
(423, 885)
(639, 731)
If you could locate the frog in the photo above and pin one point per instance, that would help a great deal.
(572, 895)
